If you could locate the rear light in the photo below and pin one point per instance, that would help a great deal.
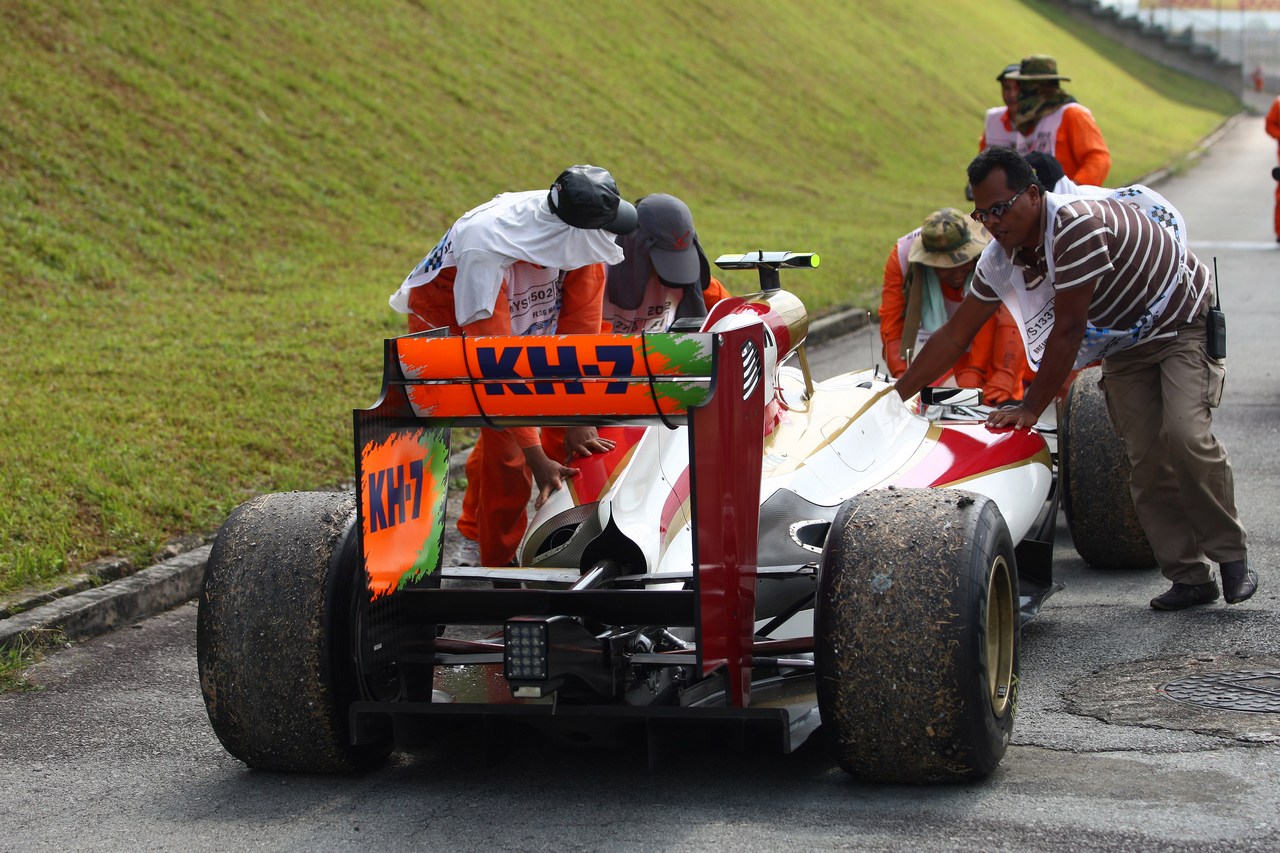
(525, 658)
(542, 653)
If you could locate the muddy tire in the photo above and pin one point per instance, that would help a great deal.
(273, 635)
(916, 636)
(1094, 473)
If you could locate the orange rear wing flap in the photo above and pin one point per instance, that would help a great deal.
(501, 381)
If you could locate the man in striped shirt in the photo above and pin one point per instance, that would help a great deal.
(1107, 276)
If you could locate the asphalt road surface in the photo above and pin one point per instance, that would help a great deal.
(114, 751)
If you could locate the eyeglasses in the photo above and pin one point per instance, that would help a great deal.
(997, 210)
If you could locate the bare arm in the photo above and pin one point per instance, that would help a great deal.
(1071, 313)
(945, 345)
(548, 474)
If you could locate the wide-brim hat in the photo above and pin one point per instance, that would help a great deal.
(1038, 66)
(948, 239)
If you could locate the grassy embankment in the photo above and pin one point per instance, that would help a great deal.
(203, 207)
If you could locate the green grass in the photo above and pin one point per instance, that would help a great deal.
(14, 661)
(203, 207)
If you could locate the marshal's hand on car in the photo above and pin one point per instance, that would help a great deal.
(1012, 415)
(583, 441)
(549, 475)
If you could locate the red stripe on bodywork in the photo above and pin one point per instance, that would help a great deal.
(676, 498)
(962, 451)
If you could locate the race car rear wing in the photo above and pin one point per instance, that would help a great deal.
(713, 383)
(510, 381)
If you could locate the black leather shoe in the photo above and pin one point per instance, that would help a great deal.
(1180, 596)
(1238, 581)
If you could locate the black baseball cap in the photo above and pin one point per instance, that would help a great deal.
(587, 197)
(1047, 168)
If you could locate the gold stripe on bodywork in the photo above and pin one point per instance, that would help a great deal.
(799, 451)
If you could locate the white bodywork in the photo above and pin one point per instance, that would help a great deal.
(851, 434)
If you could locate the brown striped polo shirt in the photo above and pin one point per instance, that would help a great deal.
(1129, 258)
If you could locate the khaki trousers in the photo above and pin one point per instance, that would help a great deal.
(1160, 396)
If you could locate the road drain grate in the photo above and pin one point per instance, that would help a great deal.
(1255, 692)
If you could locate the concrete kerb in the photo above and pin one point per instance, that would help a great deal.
(105, 608)
(177, 580)
(843, 321)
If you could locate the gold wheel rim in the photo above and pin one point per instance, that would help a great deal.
(1001, 627)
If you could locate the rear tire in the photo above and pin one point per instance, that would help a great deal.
(1094, 472)
(917, 636)
(274, 634)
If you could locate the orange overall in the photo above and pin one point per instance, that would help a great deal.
(995, 361)
(1080, 148)
(1273, 130)
(499, 483)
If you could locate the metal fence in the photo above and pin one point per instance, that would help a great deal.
(1238, 31)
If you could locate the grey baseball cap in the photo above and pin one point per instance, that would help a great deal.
(587, 197)
(668, 224)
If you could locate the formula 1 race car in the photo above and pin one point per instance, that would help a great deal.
(759, 552)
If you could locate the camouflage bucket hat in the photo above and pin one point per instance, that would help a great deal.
(1038, 66)
(947, 239)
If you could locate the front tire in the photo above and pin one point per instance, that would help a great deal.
(274, 634)
(917, 637)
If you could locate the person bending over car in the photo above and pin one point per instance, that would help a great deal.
(524, 263)
(664, 276)
(926, 276)
(1109, 276)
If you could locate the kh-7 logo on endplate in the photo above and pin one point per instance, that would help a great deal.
(395, 495)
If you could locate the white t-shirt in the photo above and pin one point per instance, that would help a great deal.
(995, 132)
(655, 313)
(488, 241)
